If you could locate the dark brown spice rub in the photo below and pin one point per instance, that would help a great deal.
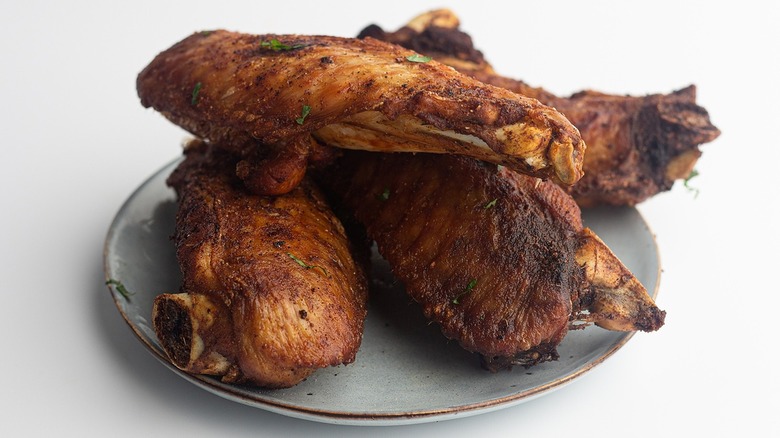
(250, 97)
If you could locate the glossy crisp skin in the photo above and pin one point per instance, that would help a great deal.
(270, 292)
(499, 260)
(237, 91)
(637, 145)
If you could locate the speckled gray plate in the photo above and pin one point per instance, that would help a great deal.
(406, 371)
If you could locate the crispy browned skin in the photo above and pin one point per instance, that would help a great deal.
(236, 90)
(499, 260)
(270, 293)
(637, 146)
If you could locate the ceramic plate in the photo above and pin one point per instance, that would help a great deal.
(405, 371)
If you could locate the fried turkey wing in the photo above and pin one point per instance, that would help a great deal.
(499, 260)
(270, 291)
(256, 92)
(638, 146)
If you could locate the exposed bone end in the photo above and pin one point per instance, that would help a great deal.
(435, 33)
(681, 166)
(194, 332)
(444, 18)
(619, 302)
(621, 310)
(527, 148)
(526, 140)
(555, 147)
(668, 129)
(187, 326)
(567, 158)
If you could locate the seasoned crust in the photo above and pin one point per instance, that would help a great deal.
(499, 260)
(441, 232)
(270, 290)
(233, 90)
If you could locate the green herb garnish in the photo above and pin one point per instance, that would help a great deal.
(418, 58)
(120, 288)
(299, 261)
(385, 195)
(469, 287)
(694, 173)
(304, 112)
(491, 204)
(303, 264)
(278, 46)
(205, 32)
(195, 92)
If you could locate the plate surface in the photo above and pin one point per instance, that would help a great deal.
(406, 371)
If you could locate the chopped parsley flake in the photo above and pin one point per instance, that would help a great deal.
(491, 204)
(303, 264)
(119, 288)
(418, 58)
(385, 195)
(299, 261)
(278, 46)
(469, 287)
(195, 92)
(304, 112)
(694, 173)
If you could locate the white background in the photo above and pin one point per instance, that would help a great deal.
(76, 143)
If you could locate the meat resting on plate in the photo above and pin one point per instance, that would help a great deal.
(271, 291)
(280, 98)
(501, 261)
